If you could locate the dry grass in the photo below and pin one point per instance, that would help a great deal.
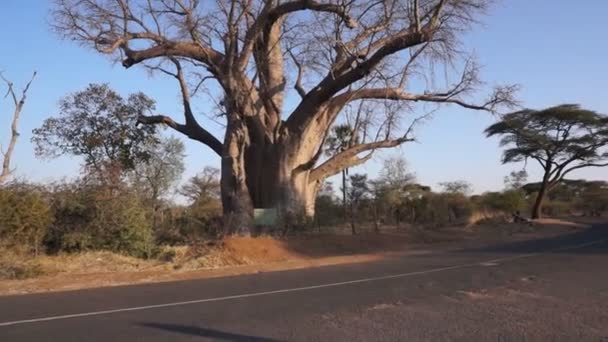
(480, 216)
(20, 272)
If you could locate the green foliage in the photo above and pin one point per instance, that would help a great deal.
(164, 167)
(557, 208)
(559, 133)
(358, 189)
(24, 216)
(561, 139)
(339, 139)
(594, 201)
(509, 201)
(441, 209)
(101, 126)
(201, 219)
(328, 211)
(121, 225)
(89, 216)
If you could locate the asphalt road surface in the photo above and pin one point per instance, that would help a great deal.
(549, 289)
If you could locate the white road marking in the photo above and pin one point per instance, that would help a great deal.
(489, 263)
(296, 289)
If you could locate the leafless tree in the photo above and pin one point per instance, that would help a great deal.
(18, 102)
(336, 54)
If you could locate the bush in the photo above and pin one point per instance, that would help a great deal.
(24, 216)
(509, 201)
(556, 208)
(438, 210)
(97, 217)
(122, 226)
(73, 210)
(593, 203)
(187, 225)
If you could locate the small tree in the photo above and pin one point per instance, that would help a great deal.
(203, 191)
(358, 190)
(394, 184)
(326, 206)
(561, 139)
(340, 138)
(18, 102)
(160, 172)
(25, 216)
(99, 125)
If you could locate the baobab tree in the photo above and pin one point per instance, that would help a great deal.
(334, 54)
(18, 103)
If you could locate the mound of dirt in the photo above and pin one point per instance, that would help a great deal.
(247, 250)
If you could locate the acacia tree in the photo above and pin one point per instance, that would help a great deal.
(18, 102)
(336, 54)
(561, 139)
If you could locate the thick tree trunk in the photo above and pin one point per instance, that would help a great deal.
(263, 175)
(538, 203)
(540, 197)
(236, 199)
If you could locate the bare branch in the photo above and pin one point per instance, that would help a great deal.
(19, 103)
(191, 128)
(417, 15)
(298, 85)
(349, 157)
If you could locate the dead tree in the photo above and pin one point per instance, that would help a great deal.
(335, 54)
(18, 102)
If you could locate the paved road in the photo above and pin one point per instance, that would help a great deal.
(551, 289)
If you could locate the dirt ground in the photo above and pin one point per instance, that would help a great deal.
(241, 255)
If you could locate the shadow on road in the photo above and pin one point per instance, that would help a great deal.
(204, 332)
(556, 244)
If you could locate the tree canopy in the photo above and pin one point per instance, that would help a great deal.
(561, 139)
(99, 125)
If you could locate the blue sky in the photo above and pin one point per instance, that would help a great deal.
(555, 49)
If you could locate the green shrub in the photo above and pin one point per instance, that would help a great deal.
(99, 218)
(438, 210)
(121, 225)
(73, 211)
(593, 202)
(24, 216)
(509, 201)
(556, 208)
